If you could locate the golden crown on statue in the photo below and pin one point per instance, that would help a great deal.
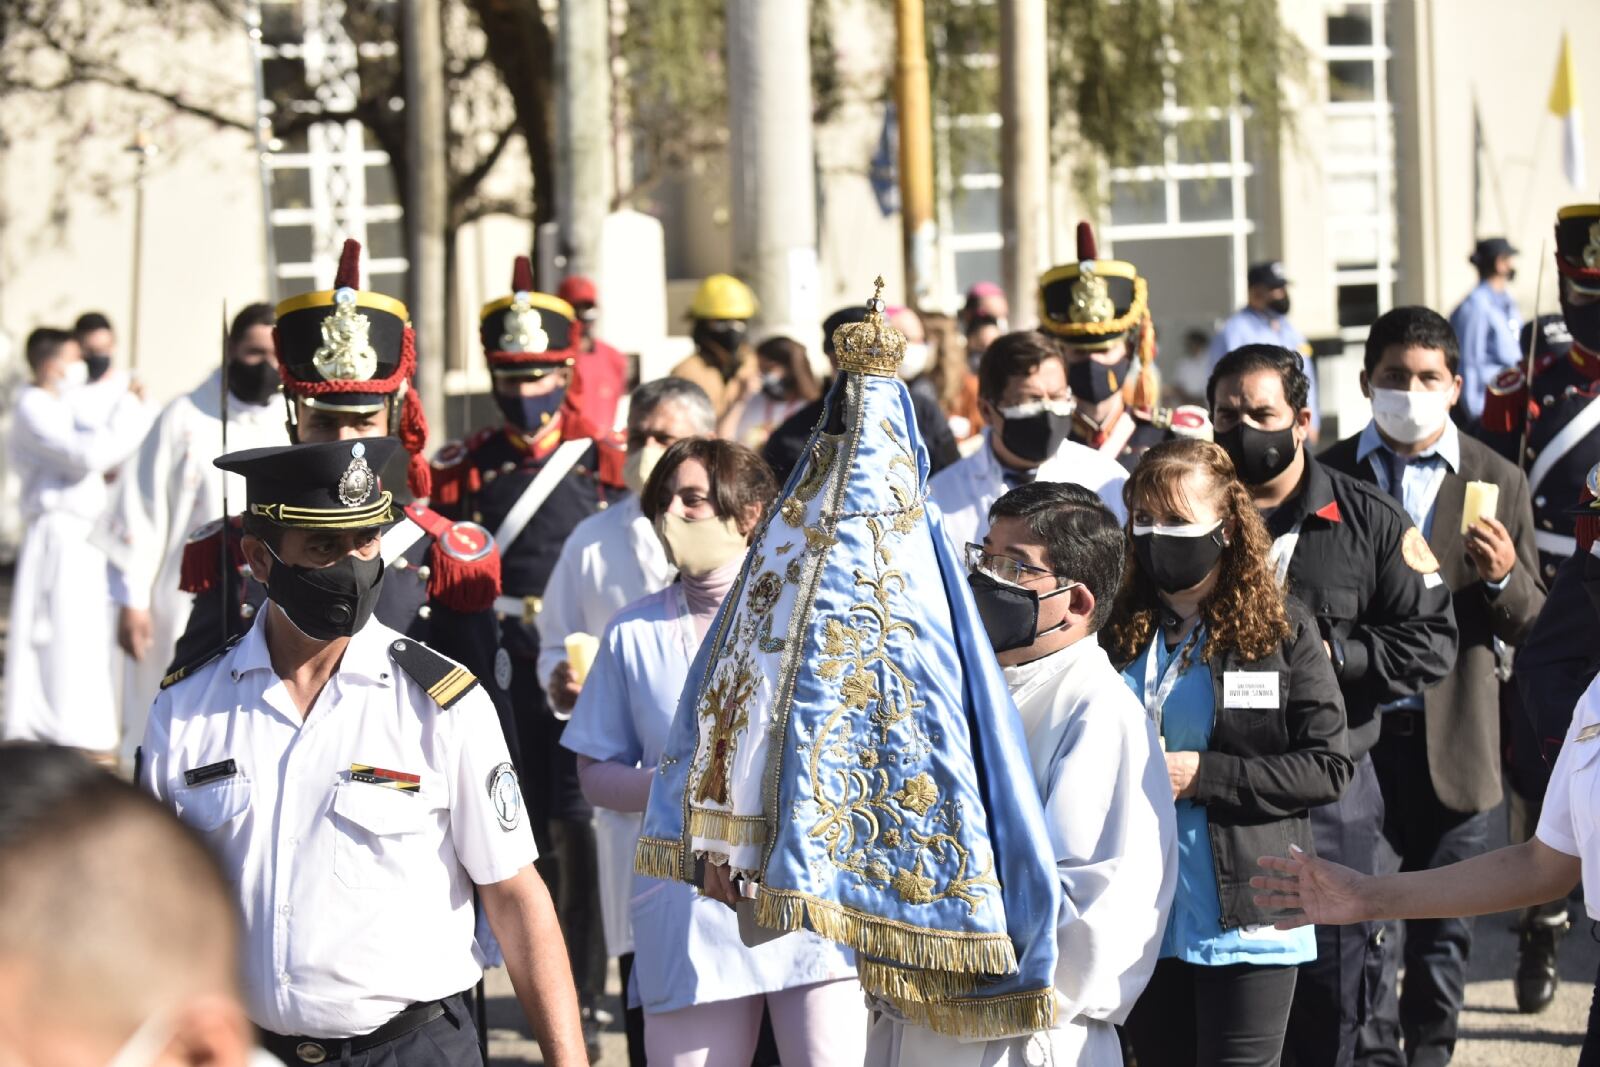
(870, 346)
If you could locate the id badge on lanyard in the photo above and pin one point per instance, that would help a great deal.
(1156, 690)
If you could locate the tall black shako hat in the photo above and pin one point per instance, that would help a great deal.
(1094, 302)
(348, 349)
(527, 334)
(333, 485)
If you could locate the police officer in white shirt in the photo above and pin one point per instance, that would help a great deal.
(357, 788)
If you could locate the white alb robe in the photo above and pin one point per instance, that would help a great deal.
(58, 685)
(609, 560)
(968, 488)
(167, 490)
(1099, 768)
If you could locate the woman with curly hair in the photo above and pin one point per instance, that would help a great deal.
(1238, 683)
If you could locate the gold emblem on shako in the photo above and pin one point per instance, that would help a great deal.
(358, 481)
(524, 331)
(346, 353)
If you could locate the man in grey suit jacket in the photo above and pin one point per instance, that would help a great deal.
(1438, 759)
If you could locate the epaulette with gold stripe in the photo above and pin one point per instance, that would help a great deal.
(193, 665)
(445, 680)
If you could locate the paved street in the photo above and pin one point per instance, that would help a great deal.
(1494, 1033)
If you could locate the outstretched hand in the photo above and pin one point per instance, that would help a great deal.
(1316, 890)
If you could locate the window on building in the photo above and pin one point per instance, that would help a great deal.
(326, 181)
(1360, 162)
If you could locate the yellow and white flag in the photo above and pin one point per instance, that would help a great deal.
(1564, 105)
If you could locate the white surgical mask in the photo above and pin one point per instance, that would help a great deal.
(1192, 529)
(700, 546)
(640, 462)
(915, 361)
(75, 374)
(1410, 415)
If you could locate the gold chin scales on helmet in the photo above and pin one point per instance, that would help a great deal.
(870, 346)
(1094, 302)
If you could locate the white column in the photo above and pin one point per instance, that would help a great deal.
(1024, 153)
(772, 162)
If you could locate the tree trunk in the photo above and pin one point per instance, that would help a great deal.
(428, 211)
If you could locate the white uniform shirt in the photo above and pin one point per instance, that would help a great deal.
(356, 897)
(1570, 821)
(965, 490)
(608, 561)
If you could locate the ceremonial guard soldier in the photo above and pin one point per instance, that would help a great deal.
(356, 790)
(347, 358)
(1551, 428)
(1100, 310)
(531, 480)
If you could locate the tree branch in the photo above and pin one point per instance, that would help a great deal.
(467, 183)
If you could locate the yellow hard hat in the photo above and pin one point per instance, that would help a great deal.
(722, 296)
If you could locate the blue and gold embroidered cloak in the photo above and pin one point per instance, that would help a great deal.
(846, 738)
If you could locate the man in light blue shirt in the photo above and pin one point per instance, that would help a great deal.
(1264, 320)
(1486, 323)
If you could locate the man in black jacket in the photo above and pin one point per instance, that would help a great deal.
(1355, 558)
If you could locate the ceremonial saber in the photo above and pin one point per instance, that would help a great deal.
(1527, 366)
(224, 407)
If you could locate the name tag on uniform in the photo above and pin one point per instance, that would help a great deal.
(365, 772)
(1250, 689)
(1590, 732)
(211, 772)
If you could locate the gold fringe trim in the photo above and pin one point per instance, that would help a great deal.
(895, 983)
(899, 942)
(657, 857)
(726, 826)
(990, 1019)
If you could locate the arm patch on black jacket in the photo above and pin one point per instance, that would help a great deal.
(445, 680)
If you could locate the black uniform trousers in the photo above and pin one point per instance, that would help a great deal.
(1590, 1056)
(1420, 833)
(1333, 993)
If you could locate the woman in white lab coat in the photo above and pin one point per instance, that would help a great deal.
(702, 990)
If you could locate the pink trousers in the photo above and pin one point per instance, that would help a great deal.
(821, 1025)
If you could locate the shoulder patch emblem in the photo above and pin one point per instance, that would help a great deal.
(466, 541)
(189, 668)
(502, 668)
(446, 682)
(205, 532)
(450, 454)
(1418, 556)
(1190, 420)
(506, 796)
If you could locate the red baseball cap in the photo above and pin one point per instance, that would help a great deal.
(578, 289)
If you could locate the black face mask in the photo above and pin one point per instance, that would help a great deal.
(253, 383)
(1279, 305)
(1258, 455)
(530, 412)
(1094, 382)
(1583, 323)
(1035, 438)
(725, 337)
(1177, 563)
(327, 602)
(1010, 613)
(98, 363)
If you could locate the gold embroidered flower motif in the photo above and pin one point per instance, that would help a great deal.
(879, 871)
(859, 690)
(764, 593)
(891, 838)
(918, 794)
(868, 757)
(837, 638)
(793, 511)
(914, 887)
